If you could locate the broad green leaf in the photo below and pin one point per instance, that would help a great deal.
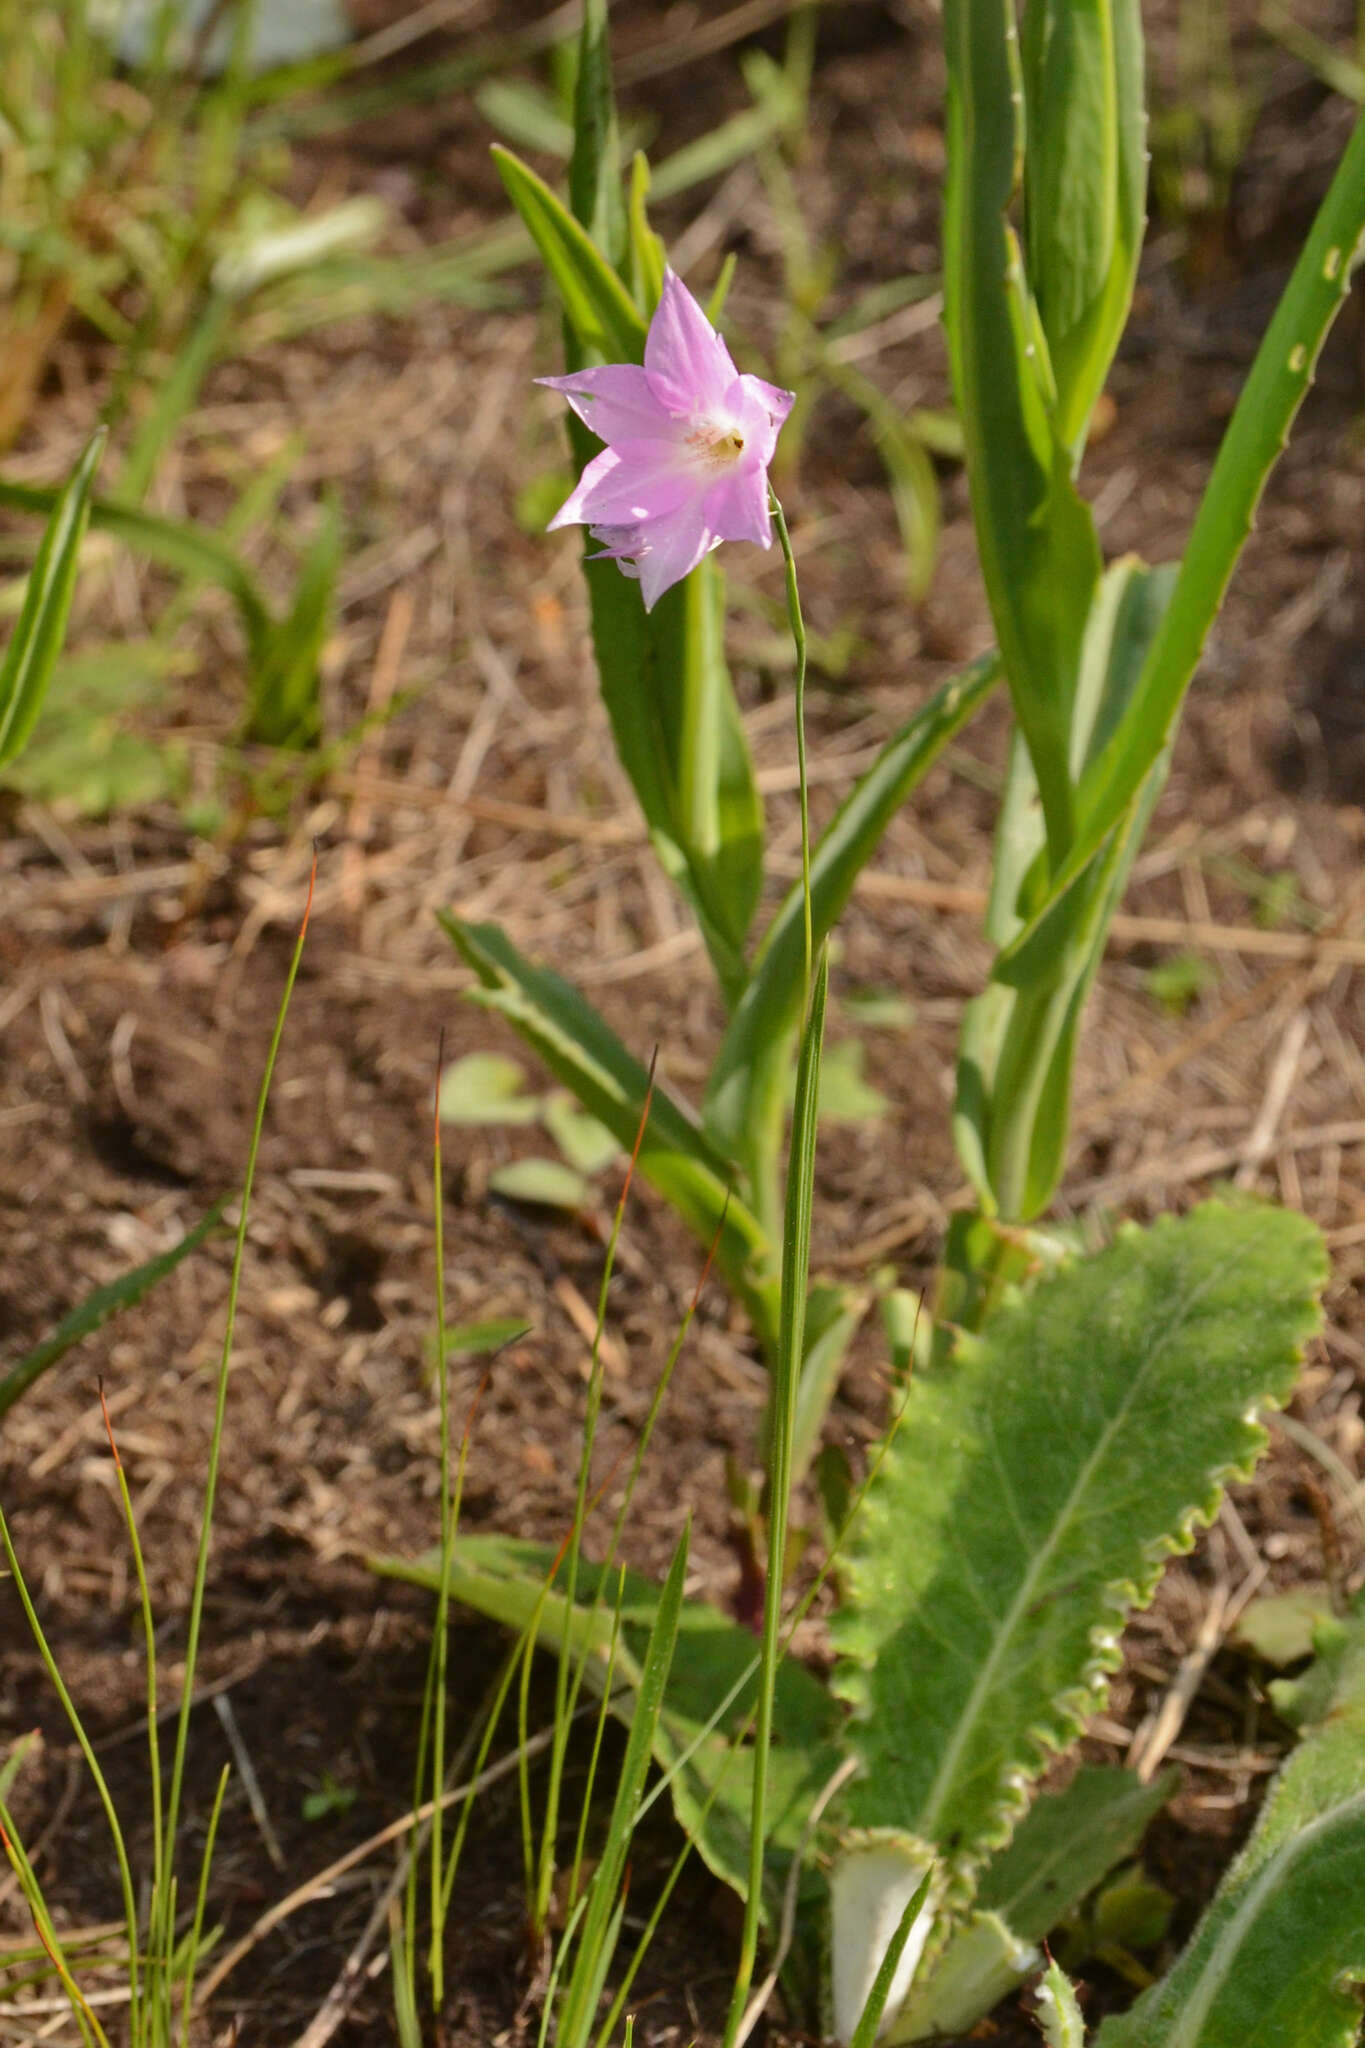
(472, 1340)
(747, 1093)
(99, 1306)
(1257, 432)
(714, 1674)
(1039, 555)
(1280, 1954)
(596, 303)
(586, 1144)
(91, 747)
(1067, 1843)
(486, 1088)
(581, 1052)
(547, 1182)
(1085, 188)
(41, 627)
(846, 1095)
(1279, 1627)
(1038, 1480)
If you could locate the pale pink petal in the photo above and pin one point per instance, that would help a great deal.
(635, 481)
(747, 407)
(616, 402)
(777, 402)
(737, 506)
(675, 546)
(688, 364)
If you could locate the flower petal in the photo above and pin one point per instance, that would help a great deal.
(736, 506)
(675, 546)
(686, 361)
(616, 401)
(777, 402)
(633, 482)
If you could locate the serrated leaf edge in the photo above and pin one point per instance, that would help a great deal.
(1070, 1709)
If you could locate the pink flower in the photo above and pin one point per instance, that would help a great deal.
(688, 446)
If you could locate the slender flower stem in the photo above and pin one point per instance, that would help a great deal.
(796, 1231)
(798, 626)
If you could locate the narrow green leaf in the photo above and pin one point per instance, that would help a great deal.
(668, 694)
(914, 486)
(594, 1947)
(595, 165)
(177, 544)
(1059, 2015)
(870, 2022)
(177, 394)
(755, 1054)
(1085, 188)
(1258, 430)
(581, 1052)
(286, 708)
(596, 303)
(1038, 1481)
(1019, 1036)
(526, 114)
(99, 1306)
(646, 259)
(833, 1317)
(38, 635)
(707, 1703)
(1280, 1954)
(1039, 555)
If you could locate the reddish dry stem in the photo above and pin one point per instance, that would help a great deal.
(109, 1426)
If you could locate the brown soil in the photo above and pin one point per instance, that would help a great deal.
(145, 965)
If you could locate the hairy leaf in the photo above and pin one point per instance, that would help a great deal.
(1067, 1843)
(1280, 1954)
(1038, 1480)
